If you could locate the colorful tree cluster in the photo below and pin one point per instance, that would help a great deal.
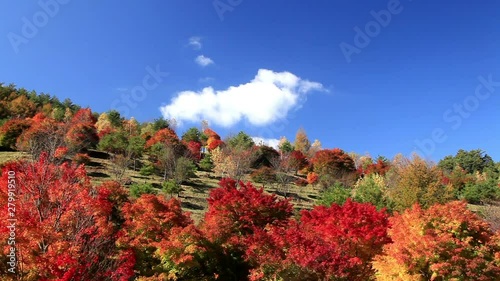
(71, 230)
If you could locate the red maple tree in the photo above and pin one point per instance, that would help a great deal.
(328, 242)
(235, 211)
(81, 132)
(297, 160)
(148, 223)
(194, 149)
(63, 230)
(165, 136)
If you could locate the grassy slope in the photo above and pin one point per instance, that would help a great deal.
(195, 192)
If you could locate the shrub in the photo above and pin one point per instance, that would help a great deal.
(206, 163)
(312, 178)
(337, 194)
(138, 189)
(370, 189)
(184, 169)
(147, 170)
(171, 187)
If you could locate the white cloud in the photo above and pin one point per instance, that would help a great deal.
(195, 42)
(269, 142)
(265, 99)
(307, 86)
(203, 61)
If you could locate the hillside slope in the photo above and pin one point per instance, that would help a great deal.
(194, 192)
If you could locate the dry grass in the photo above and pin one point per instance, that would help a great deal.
(6, 156)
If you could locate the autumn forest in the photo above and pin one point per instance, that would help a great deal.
(96, 196)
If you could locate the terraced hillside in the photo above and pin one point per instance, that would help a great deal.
(194, 192)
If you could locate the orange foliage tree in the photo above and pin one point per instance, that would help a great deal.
(44, 136)
(312, 178)
(22, 107)
(213, 139)
(11, 130)
(164, 136)
(149, 222)
(445, 242)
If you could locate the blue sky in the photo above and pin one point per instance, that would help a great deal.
(273, 66)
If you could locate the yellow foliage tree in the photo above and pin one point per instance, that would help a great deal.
(102, 122)
(302, 143)
(231, 162)
(415, 180)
